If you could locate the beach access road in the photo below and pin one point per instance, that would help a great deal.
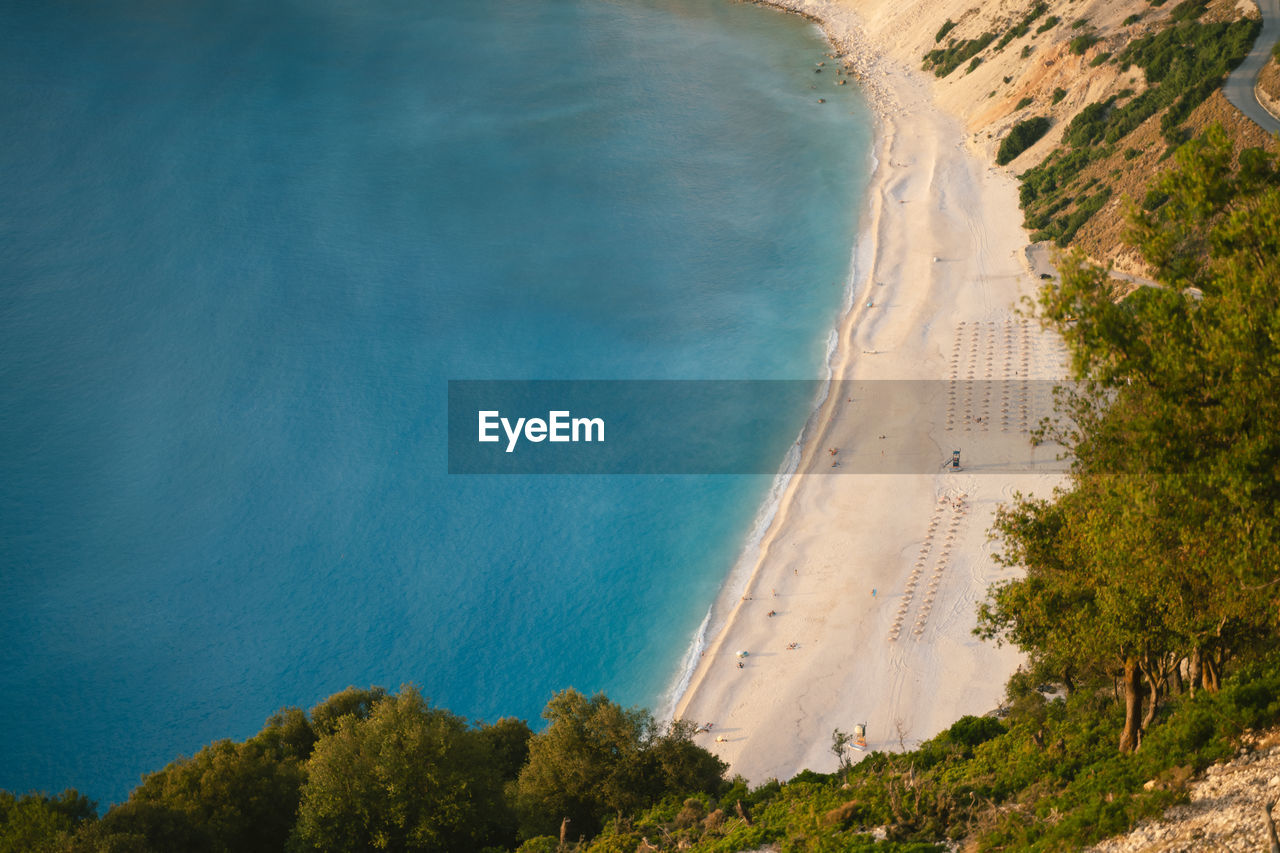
(1239, 87)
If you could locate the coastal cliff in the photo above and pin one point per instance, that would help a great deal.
(1001, 64)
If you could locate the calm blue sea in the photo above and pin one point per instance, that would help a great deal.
(244, 246)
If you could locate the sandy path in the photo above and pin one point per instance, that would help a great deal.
(937, 277)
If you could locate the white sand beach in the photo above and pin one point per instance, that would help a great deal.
(938, 275)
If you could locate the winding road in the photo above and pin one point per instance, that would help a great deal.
(1239, 85)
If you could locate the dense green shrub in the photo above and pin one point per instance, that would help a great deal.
(1089, 125)
(1188, 10)
(1049, 23)
(1058, 94)
(1022, 136)
(947, 27)
(1024, 102)
(943, 61)
(1081, 43)
(36, 821)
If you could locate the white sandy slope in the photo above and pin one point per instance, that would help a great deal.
(940, 261)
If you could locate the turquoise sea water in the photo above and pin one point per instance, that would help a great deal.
(245, 245)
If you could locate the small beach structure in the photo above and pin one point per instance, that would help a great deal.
(860, 737)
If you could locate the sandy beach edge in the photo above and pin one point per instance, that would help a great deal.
(746, 570)
(846, 43)
(772, 723)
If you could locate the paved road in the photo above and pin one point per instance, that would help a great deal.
(1239, 86)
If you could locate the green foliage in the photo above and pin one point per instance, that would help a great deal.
(241, 797)
(1099, 59)
(945, 60)
(227, 797)
(138, 827)
(1180, 79)
(1081, 43)
(354, 702)
(1058, 94)
(1173, 513)
(1049, 779)
(1216, 49)
(1024, 102)
(597, 758)
(1027, 50)
(1079, 23)
(371, 770)
(1132, 19)
(971, 731)
(508, 743)
(407, 777)
(1049, 23)
(1089, 126)
(974, 63)
(38, 822)
(1188, 10)
(947, 27)
(1021, 136)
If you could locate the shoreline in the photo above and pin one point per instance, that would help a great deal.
(833, 539)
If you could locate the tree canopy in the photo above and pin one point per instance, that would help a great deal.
(1163, 549)
(597, 758)
(407, 777)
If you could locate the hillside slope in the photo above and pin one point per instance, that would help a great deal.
(1002, 63)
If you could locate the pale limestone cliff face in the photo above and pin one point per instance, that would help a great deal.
(1035, 66)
